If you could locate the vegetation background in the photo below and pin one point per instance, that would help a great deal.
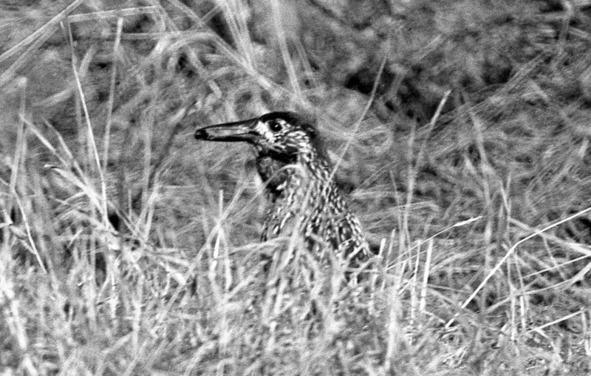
(461, 131)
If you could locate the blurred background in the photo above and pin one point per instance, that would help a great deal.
(459, 128)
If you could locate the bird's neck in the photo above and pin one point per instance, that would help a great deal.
(294, 174)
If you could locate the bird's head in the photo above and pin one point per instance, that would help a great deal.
(279, 135)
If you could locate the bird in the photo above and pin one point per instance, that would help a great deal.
(293, 164)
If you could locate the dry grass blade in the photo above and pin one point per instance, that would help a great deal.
(459, 128)
(511, 250)
(42, 32)
(37, 38)
(116, 13)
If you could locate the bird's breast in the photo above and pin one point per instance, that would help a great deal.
(314, 209)
(305, 200)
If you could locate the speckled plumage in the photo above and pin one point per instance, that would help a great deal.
(292, 162)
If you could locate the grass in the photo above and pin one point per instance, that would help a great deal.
(460, 128)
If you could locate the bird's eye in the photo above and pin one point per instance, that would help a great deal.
(275, 126)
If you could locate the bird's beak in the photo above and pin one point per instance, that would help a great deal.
(236, 131)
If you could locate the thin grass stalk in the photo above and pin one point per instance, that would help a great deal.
(90, 142)
(357, 124)
(283, 48)
(425, 281)
(111, 100)
(38, 38)
(502, 261)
